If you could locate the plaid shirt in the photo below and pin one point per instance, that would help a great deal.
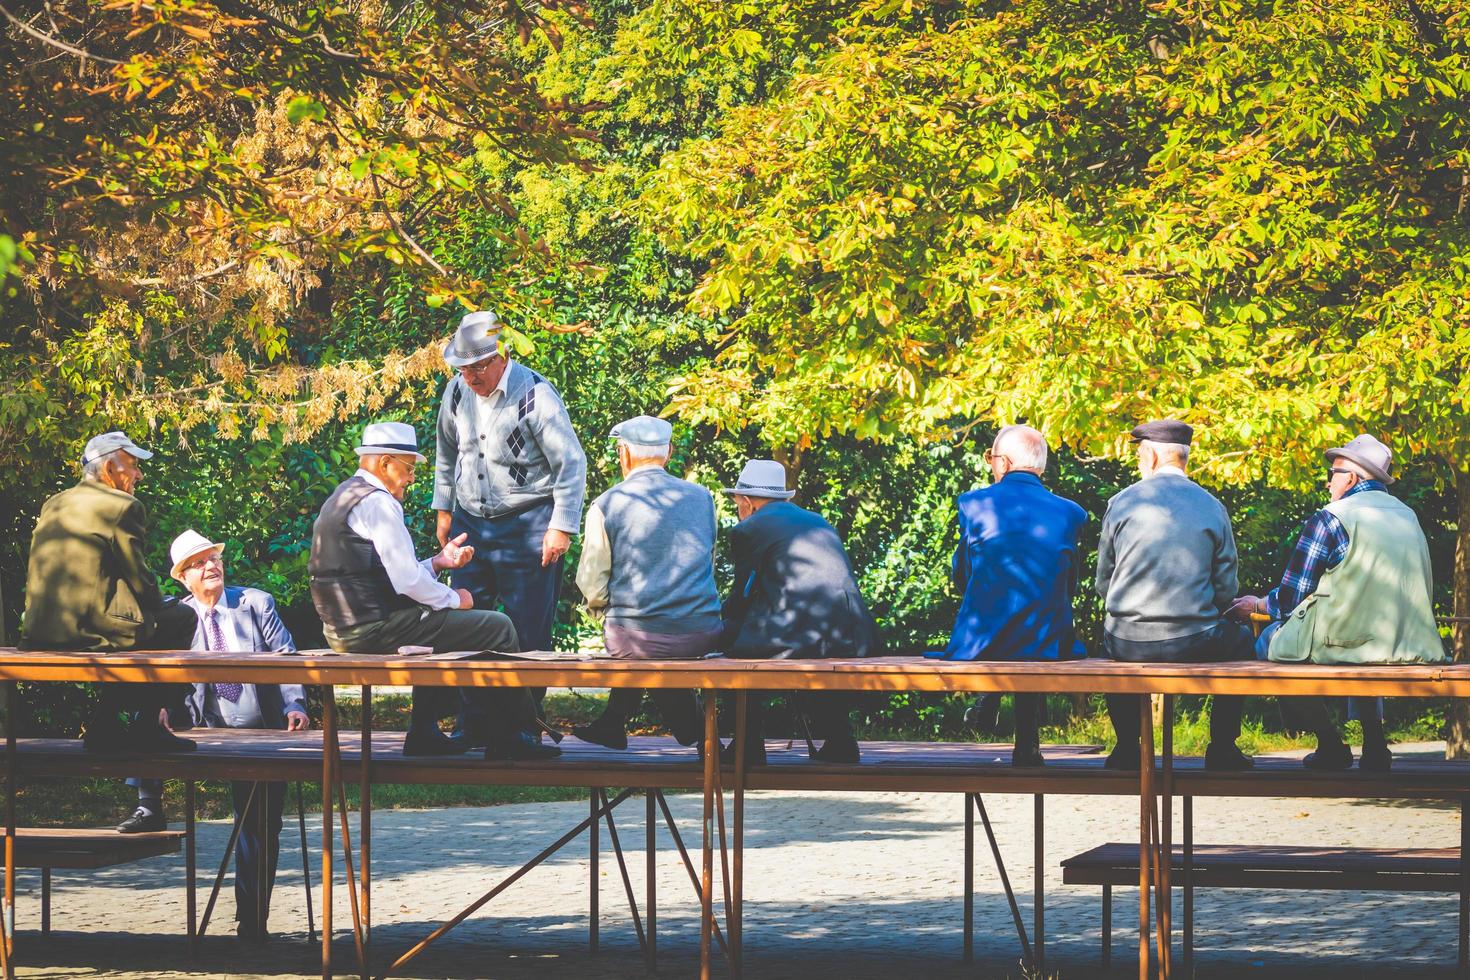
(1322, 547)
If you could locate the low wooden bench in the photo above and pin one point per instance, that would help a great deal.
(85, 850)
(1299, 868)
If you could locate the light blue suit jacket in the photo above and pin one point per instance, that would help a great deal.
(249, 621)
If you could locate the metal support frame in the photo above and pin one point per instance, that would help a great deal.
(594, 877)
(305, 863)
(1038, 931)
(190, 870)
(1187, 884)
(1005, 879)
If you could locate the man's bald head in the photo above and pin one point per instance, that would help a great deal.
(1023, 448)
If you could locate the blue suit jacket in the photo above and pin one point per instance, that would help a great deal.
(249, 621)
(1016, 569)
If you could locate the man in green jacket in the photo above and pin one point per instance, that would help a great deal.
(88, 588)
(1357, 590)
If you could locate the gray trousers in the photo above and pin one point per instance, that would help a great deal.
(446, 630)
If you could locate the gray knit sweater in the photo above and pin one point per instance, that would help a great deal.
(509, 451)
(1166, 563)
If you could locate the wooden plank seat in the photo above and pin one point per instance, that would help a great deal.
(1262, 866)
(85, 850)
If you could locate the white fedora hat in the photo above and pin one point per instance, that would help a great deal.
(477, 338)
(1368, 453)
(186, 546)
(762, 478)
(390, 439)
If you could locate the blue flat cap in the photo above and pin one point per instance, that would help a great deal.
(644, 430)
(1164, 430)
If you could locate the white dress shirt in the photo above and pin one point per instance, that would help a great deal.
(379, 518)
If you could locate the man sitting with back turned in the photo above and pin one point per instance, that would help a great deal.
(793, 597)
(88, 588)
(1357, 590)
(1166, 570)
(1016, 568)
(648, 553)
(374, 596)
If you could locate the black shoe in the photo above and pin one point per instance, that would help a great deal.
(143, 821)
(755, 754)
(605, 733)
(1333, 758)
(466, 741)
(1123, 759)
(1375, 759)
(520, 747)
(430, 743)
(1227, 758)
(1027, 757)
(153, 739)
(842, 751)
(984, 714)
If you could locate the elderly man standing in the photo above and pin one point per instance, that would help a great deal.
(375, 596)
(1166, 570)
(1357, 590)
(234, 618)
(1016, 568)
(88, 588)
(794, 597)
(647, 566)
(510, 474)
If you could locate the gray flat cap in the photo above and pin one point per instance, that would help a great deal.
(644, 430)
(1164, 430)
(111, 442)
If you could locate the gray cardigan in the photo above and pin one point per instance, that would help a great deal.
(527, 454)
(1166, 563)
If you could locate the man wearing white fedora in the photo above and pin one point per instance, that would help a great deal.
(1357, 590)
(375, 596)
(240, 619)
(509, 473)
(794, 596)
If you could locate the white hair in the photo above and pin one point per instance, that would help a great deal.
(1168, 452)
(92, 468)
(647, 452)
(1024, 446)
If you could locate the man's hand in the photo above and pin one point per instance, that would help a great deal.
(455, 554)
(441, 526)
(466, 601)
(554, 545)
(163, 720)
(1240, 610)
(297, 721)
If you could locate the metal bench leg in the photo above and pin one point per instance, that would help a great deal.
(969, 880)
(1005, 879)
(1464, 886)
(1188, 873)
(45, 901)
(650, 901)
(593, 912)
(1107, 927)
(305, 864)
(191, 869)
(1038, 934)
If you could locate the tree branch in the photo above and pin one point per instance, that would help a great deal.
(56, 42)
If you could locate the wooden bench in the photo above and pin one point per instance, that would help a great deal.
(85, 850)
(1299, 868)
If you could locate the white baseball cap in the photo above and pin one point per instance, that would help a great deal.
(111, 442)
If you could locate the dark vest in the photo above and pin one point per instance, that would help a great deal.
(349, 585)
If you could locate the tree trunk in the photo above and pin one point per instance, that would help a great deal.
(1457, 734)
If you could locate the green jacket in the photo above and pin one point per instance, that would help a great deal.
(87, 586)
(1375, 606)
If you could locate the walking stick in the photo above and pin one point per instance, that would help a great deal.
(305, 865)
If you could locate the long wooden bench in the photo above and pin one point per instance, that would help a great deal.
(1253, 866)
(85, 850)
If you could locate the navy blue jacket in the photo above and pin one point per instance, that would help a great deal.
(794, 595)
(1016, 568)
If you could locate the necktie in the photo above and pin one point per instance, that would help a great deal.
(227, 692)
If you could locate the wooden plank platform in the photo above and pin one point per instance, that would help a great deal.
(88, 850)
(661, 763)
(1279, 866)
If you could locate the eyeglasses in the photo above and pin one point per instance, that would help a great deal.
(479, 369)
(1334, 472)
(213, 558)
(991, 456)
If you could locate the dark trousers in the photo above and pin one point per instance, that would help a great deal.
(142, 702)
(1226, 641)
(447, 630)
(825, 711)
(507, 572)
(252, 895)
(1313, 715)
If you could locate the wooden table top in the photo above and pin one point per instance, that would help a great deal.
(879, 674)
